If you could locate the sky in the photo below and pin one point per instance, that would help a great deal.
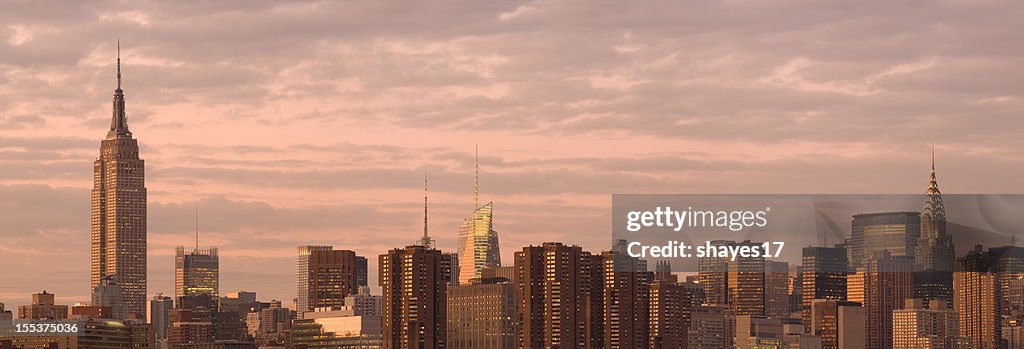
(293, 123)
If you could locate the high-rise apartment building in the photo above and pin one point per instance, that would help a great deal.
(414, 298)
(626, 302)
(560, 298)
(326, 276)
(119, 211)
(670, 307)
(976, 299)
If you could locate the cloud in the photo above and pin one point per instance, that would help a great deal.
(301, 122)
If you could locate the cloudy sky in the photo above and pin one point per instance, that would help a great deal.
(313, 122)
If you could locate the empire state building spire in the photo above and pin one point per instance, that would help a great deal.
(118, 121)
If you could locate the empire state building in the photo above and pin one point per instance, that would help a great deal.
(119, 211)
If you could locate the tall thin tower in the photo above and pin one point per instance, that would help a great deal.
(478, 241)
(119, 210)
(935, 248)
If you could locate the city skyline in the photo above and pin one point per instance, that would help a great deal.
(288, 139)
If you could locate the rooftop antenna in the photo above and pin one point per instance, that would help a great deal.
(197, 226)
(425, 236)
(118, 63)
(476, 179)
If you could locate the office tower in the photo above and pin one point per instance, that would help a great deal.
(108, 294)
(159, 310)
(839, 324)
(43, 307)
(327, 278)
(197, 272)
(887, 282)
(915, 326)
(710, 327)
(450, 264)
(302, 275)
(559, 290)
(713, 275)
(976, 299)
(776, 289)
(935, 248)
(670, 306)
(746, 284)
(362, 271)
(483, 315)
(822, 276)
(758, 332)
(895, 232)
(626, 302)
(478, 242)
(1008, 265)
(414, 298)
(119, 211)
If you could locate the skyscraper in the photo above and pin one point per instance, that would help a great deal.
(887, 283)
(670, 307)
(415, 301)
(626, 302)
(976, 299)
(895, 232)
(746, 284)
(196, 273)
(119, 210)
(159, 310)
(935, 248)
(328, 277)
(713, 275)
(823, 276)
(559, 290)
(935, 254)
(478, 241)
